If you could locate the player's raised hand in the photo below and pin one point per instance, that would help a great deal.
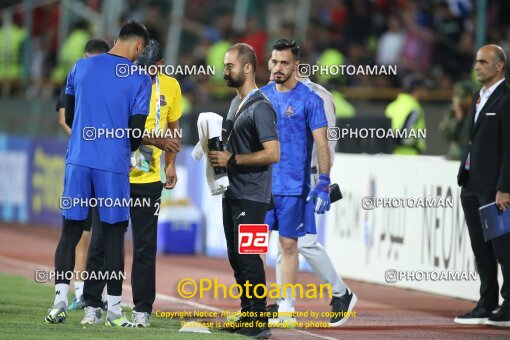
(320, 195)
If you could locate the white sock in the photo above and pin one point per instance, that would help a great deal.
(289, 296)
(78, 289)
(61, 290)
(287, 301)
(114, 304)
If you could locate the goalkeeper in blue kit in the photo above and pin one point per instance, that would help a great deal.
(101, 95)
(301, 123)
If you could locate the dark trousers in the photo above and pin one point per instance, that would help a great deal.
(70, 236)
(144, 222)
(487, 254)
(247, 267)
(113, 258)
(66, 248)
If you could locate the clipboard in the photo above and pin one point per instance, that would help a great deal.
(494, 221)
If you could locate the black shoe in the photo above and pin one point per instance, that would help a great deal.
(272, 309)
(501, 318)
(477, 316)
(255, 332)
(341, 308)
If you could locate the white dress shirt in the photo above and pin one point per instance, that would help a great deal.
(482, 100)
(484, 96)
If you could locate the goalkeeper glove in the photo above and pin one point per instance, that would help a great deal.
(320, 195)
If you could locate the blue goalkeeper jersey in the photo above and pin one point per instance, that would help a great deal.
(105, 99)
(299, 112)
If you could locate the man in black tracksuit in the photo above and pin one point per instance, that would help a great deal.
(252, 144)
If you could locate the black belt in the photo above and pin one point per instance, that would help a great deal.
(314, 170)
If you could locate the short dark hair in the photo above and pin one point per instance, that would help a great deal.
(133, 29)
(151, 54)
(80, 25)
(285, 44)
(246, 54)
(413, 81)
(96, 46)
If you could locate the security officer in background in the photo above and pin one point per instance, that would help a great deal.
(456, 123)
(407, 114)
(11, 43)
(484, 175)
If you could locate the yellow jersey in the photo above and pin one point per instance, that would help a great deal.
(170, 111)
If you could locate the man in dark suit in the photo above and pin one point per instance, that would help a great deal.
(484, 176)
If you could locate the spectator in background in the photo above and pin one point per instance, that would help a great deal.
(318, 39)
(455, 124)
(460, 7)
(286, 31)
(464, 57)
(221, 25)
(391, 42)
(256, 38)
(71, 51)
(505, 45)
(44, 46)
(207, 34)
(359, 23)
(331, 56)
(417, 51)
(330, 12)
(187, 100)
(407, 115)
(214, 57)
(358, 55)
(448, 30)
(153, 20)
(10, 50)
(338, 31)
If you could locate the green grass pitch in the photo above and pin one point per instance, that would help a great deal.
(24, 304)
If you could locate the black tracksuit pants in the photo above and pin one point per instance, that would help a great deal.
(144, 222)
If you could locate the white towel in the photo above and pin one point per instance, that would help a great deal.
(209, 126)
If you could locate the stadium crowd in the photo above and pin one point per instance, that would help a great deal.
(434, 38)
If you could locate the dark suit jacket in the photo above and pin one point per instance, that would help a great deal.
(489, 145)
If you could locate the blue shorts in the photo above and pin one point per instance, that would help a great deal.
(292, 216)
(83, 183)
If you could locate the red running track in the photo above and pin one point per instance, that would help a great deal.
(381, 312)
